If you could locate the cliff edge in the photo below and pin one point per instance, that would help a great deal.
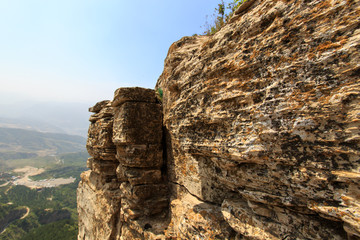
(255, 135)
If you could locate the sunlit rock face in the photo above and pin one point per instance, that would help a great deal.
(256, 136)
(124, 195)
(263, 120)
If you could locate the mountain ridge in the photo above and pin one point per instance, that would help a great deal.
(29, 141)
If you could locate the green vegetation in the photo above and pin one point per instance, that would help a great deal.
(159, 94)
(52, 212)
(67, 165)
(63, 172)
(16, 155)
(38, 162)
(222, 14)
(20, 143)
(61, 230)
(60, 197)
(51, 162)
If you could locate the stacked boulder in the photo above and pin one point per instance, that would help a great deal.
(98, 195)
(125, 182)
(99, 143)
(137, 134)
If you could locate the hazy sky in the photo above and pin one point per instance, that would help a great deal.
(82, 50)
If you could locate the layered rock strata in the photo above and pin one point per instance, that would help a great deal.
(124, 195)
(261, 134)
(263, 120)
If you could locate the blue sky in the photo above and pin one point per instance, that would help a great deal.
(82, 50)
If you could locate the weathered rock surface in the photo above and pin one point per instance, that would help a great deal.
(124, 195)
(98, 207)
(263, 119)
(259, 129)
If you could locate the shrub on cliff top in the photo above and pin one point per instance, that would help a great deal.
(222, 14)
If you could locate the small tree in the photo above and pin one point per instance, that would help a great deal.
(221, 17)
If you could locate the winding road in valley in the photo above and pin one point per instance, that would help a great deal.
(27, 213)
(11, 217)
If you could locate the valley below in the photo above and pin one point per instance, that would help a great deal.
(32, 171)
(39, 174)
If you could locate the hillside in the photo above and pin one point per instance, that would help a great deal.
(20, 123)
(44, 214)
(69, 118)
(38, 208)
(20, 143)
(39, 173)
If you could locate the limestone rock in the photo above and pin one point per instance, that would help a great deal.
(105, 168)
(140, 176)
(124, 195)
(257, 135)
(138, 123)
(136, 94)
(140, 156)
(98, 208)
(264, 117)
(99, 143)
(98, 106)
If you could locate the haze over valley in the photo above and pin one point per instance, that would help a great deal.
(40, 169)
(56, 117)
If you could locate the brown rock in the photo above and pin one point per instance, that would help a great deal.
(98, 106)
(98, 208)
(131, 184)
(138, 123)
(105, 168)
(136, 94)
(138, 176)
(143, 192)
(141, 156)
(99, 143)
(262, 131)
(266, 111)
(252, 219)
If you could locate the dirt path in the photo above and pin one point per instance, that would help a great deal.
(26, 214)
(3, 185)
(8, 189)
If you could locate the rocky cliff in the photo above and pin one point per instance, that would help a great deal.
(256, 135)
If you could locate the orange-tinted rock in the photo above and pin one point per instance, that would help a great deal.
(264, 117)
(141, 156)
(138, 123)
(136, 94)
(261, 133)
(125, 142)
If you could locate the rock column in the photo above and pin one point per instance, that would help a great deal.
(98, 194)
(124, 195)
(137, 134)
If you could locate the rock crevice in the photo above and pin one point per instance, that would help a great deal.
(125, 144)
(256, 135)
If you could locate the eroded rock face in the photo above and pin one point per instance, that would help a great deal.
(124, 195)
(259, 127)
(98, 207)
(263, 120)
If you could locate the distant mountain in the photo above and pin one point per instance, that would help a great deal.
(21, 142)
(33, 125)
(69, 118)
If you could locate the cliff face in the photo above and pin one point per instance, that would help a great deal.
(258, 135)
(124, 193)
